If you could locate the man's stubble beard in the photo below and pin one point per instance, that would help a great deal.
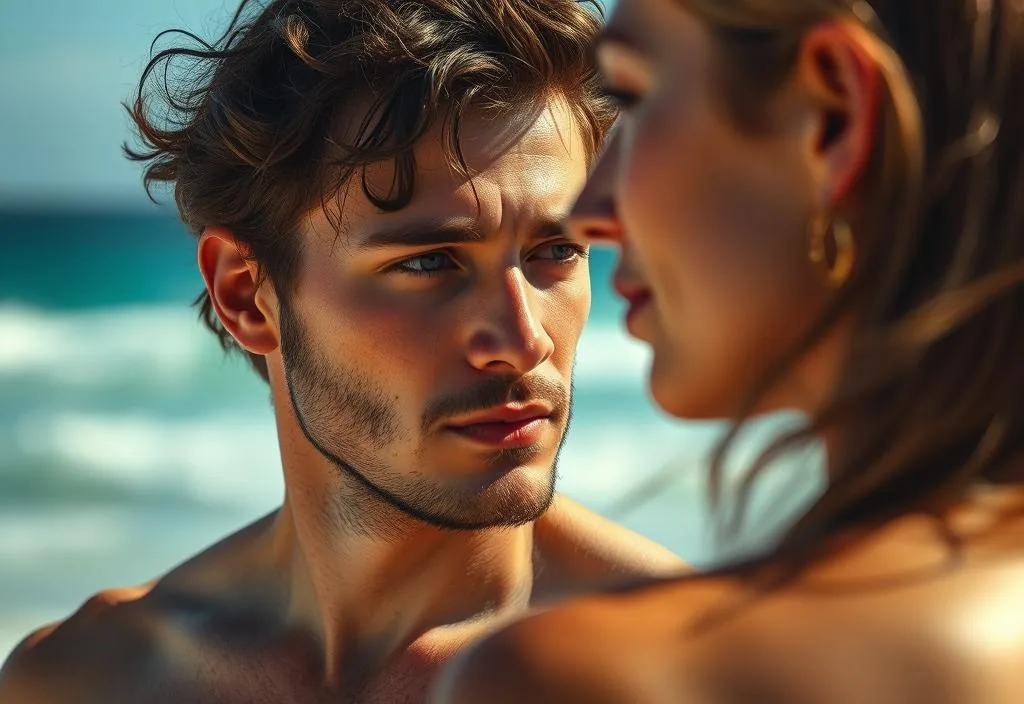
(347, 418)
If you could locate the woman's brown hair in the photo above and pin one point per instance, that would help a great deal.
(931, 399)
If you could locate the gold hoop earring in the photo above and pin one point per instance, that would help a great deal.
(845, 246)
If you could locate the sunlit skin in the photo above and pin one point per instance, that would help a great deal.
(423, 319)
(712, 221)
(409, 527)
(712, 224)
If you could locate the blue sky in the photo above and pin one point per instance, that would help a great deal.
(65, 66)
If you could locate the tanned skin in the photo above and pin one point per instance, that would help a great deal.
(401, 540)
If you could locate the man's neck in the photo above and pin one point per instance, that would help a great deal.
(366, 596)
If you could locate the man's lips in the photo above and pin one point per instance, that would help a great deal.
(503, 435)
(504, 427)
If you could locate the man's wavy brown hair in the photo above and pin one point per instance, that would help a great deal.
(245, 128)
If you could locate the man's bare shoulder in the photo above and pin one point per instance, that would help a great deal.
(90, 656)
(139, 644)
(583, 551)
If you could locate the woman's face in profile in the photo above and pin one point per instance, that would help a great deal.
(712, 219)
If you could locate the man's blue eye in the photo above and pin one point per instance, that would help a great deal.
(562, 252)
(429, 263)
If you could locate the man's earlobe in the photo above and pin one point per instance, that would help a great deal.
(839, 70)
(231, 280)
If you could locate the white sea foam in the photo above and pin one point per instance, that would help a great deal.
(95, 347)
(168, 345)
(27, 534)
(221, 458)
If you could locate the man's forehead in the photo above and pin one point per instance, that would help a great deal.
(536, 158)
(485, 133)
(548, 130)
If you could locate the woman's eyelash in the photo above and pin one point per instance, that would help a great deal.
(623, 98)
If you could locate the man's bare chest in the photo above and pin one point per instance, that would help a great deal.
(259, 676)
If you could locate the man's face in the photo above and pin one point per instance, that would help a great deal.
(428, 352)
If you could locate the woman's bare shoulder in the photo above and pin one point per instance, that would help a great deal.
(607, 648)
(897, 616)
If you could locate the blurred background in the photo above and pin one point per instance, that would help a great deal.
(127, 439)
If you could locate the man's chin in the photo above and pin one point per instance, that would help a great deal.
(516, 494)
(522, 494)
(530, 459)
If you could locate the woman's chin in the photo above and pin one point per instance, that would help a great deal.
(689, 396)
(677, 394)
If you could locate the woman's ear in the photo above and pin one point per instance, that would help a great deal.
(247, 311)
(838, 71)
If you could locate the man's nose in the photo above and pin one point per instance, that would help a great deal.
(508, 334)
(593, 217)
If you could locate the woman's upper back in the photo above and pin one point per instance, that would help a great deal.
(902, 616)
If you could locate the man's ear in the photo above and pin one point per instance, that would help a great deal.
(247, 311)
(838, 70)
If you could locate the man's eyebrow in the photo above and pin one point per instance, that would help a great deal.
(421, 235)
(551, 226)
(438, 234)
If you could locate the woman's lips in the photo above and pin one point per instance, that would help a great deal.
(634, 291)
(638, 301)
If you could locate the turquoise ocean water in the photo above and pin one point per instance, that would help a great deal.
(128, 440)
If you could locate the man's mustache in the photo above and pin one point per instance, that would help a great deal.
(497, 391)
